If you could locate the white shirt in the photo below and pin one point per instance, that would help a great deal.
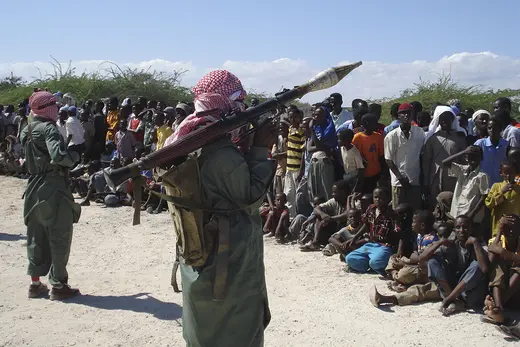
(352, 160)
(512, 135)
(405, 153)
(342, 117)
(62, 129)
(74, 128)
(470, 187)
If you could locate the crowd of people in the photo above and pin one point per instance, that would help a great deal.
(430, 201)
(106, 135)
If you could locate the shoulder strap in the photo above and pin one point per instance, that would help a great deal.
(189, 204)
(30, 129)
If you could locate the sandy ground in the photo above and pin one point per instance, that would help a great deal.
(124, 274)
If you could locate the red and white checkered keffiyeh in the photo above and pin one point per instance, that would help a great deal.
(219, 89)
(43, 104)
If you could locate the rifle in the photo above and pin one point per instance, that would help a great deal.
(233, 120)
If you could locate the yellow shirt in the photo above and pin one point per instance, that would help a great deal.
(163, 132)
(112, 119)
(501, 204)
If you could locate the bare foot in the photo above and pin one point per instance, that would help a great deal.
(375, 297)
(494, 314)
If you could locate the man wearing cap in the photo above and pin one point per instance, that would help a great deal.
(182, 110)
(403, 147)
(75, 132)
(49, 208)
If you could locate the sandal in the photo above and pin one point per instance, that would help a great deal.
(310, 247)
(329, 250)
(513, 332)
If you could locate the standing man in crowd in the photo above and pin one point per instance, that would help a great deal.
(403, 147)
(49, 208)
(75, 132)
(100, 131)
(339, 115)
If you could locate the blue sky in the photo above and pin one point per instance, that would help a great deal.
(208, 33)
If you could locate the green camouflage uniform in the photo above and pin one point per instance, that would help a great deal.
(49, 208)
(231, 181)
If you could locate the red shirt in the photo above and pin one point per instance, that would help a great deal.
(380, 128)
(134, 124)
(515, 124)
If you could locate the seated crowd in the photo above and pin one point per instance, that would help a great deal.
(430, 203)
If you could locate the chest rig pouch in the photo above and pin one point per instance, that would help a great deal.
(200, 231)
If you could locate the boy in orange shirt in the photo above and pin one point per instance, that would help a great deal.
(370, 145)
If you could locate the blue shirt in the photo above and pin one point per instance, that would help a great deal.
(395, 124)
(492, 158)
(342, 117)
(347, 125)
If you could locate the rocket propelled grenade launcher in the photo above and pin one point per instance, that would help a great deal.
(208, 134)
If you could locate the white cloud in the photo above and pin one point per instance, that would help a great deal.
(374, 79)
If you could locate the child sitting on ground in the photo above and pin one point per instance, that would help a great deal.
(329, 217)
(302, 227)
(277, 223)
(460, 269)
(504, 197)
(504, 256)
(379, 221)
(407, 271)
(338, 242)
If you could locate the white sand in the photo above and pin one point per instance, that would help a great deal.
(124, 275)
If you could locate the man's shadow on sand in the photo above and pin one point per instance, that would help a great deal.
(11, 237)
(142, 303)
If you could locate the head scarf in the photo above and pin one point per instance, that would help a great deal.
(443, 207)
(434, 124)
(326, 132)
(478, 113)
(43, 105)
(220, 90)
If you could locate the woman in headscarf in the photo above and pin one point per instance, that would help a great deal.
(49, 208)
(322, 147)
(443, 140)
(232, 309)
(480, 119)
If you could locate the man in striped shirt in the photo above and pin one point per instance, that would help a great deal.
(295, 148)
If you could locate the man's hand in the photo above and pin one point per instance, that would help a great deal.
(446, 242)
(265, 135)
(325, 217)
(495, 249)
(471, 241)
(507, 188)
